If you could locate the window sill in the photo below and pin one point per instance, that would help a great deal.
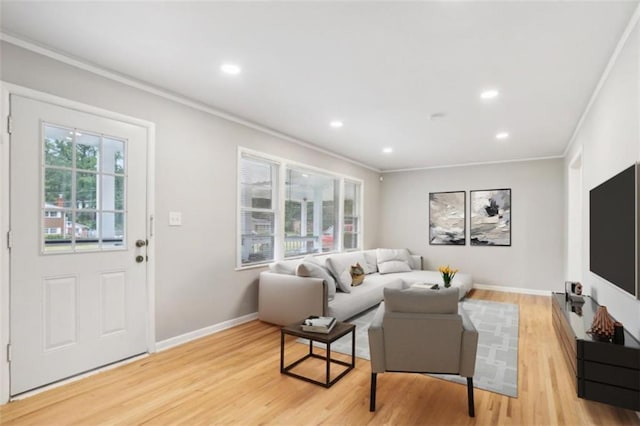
(254, 266)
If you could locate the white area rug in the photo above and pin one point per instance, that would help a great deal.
(497, 356)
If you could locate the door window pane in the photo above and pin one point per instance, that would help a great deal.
(119, 193)
(112, 191)
(87, 151)
(58, 146)
(58, 184)
(54, 225)
(112, 227)
(86, 190)
(112, 156)
(85, 231)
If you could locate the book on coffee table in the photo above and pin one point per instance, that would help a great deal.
(318, 324)
(431, 286)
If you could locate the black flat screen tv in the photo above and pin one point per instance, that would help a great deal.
(613, 230)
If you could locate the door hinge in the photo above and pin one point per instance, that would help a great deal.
(9, 239)
(9, 124)
(8, 352)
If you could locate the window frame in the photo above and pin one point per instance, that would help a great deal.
(278, 190)
(358, 199)
(76, 244)
(275, 203)
(335, 183)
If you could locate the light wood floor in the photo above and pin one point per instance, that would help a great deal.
(233, 378)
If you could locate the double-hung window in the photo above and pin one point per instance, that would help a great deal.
(311, 216)
(258, 205)
(352, 211)
(290, 210)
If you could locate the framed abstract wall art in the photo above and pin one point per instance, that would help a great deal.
(490, 217)
(447, 218)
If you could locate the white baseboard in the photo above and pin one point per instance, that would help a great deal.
(513, 289)
(212, 329)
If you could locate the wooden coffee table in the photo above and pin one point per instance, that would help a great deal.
(339, 330)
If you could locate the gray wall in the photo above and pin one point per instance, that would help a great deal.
(196, 284)
(609, 140)
(534, 260)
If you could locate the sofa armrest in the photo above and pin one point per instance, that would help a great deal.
(469, 346)
(376, 341)
(284, 299)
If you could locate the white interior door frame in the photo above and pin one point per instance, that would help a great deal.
(8, 89)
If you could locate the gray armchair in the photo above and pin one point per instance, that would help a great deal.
(422, 331)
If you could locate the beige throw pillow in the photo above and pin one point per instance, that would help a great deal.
(393, 260)
(340, 267)
(309, 269)
(393, 266)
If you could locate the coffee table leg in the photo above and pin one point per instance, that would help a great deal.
(353, 348)
(328, 363)
(281, 351)
(310, 347)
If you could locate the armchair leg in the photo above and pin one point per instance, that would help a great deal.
(472, 411)
(372, 403)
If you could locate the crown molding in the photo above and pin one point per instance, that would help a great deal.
(485, 163)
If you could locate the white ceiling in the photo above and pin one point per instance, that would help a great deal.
(380, 67)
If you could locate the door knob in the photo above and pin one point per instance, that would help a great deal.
(141, 243)
(139, 258)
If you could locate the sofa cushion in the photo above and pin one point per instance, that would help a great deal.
(393, 260)
(371, 266)
(385, 255)
(340, 267)
(320, 261)
(310, 269)
(362, 297)
(419, 300)
(393, 266)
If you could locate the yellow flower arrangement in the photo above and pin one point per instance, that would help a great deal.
(447, 275)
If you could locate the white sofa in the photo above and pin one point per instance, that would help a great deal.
(285, 297)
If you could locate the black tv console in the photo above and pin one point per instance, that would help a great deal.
(604, 371)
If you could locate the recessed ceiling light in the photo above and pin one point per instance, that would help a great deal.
(387, 150)
(336, 124)
(489, 94)
(231, 69)
(502, 135)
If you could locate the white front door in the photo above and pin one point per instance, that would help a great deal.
(77, 215)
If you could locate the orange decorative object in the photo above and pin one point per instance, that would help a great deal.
(602, 325)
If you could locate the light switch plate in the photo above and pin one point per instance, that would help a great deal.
(175, 219)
